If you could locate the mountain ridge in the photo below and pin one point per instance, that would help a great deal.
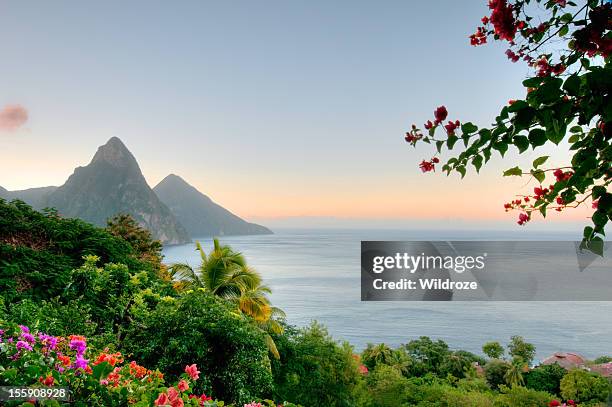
(199, 213)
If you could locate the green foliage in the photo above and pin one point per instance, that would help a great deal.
(519, 349)
(314, 370)
(38, 251)
(385, 387)
(602, 359)
(518, 396)
(585, 387)
(427, 355)
(144, 246)
(495, 372)
(200, 328)
(545, 378)
(493, 350)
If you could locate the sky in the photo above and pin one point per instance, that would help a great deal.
(278, 110)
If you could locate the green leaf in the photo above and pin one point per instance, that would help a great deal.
(539, 161)
(572, 85)
(575, 129)
(450, 143)
(439, 145)
(588, 232)
(537, 137)
(532, 82)
(517, 105)
(501, 146)
(516, 171)
(461, 170)
(539, 175)
(521, 142)
(598, 191)
(563, 31)
(599, 218)
(477, 162)
(469, 128)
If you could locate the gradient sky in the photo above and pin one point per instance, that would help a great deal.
(273, 108)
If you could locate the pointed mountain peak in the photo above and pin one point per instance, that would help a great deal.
(115, 153)
(173, 178)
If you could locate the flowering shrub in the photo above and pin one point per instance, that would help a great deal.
(34, 359)
(569, 48)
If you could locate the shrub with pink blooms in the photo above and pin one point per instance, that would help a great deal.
(35, 359)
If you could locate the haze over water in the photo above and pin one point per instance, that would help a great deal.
(315, 275)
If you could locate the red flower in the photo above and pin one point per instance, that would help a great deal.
(440, 114)
(363, 369)
(512, 56)
(192, 371)
(503, 19)
(183, 385)
(162, 400)
(523, 218)
(47, 381)
(428, 125)
(427, 166)
(554, 403)
(485, 20)
(451, 127)
(479, 37)
(595, 204)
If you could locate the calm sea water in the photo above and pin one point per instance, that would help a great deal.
(315, 275)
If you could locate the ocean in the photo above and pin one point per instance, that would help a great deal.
(315, 275)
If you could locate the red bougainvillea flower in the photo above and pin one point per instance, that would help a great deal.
(183, 385)
(162, 400)
(485, 20)
(428, 125)
(363, 369)
(502, 18)
(192, 371)
(595, 204)
(451, 127)
(561, 3)
(560, 175)
(523, 218)
(540, 192)
(479, 37)
(427, 166)
(512, 56)
(554, 403)
(440, 114)
(571, 402)
(47, 381)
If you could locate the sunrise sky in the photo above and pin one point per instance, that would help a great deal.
(275, 109)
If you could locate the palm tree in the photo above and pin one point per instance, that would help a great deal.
(224, 273)
(514, 374)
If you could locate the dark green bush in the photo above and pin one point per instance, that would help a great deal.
(545, 378)
(314, 370)
(203, 329)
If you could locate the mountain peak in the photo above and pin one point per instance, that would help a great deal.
(115, 153)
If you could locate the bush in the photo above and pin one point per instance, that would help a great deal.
(585, 387)
(36, 360)
(495, 371)
(518, 396)
(545, 378)
(384, 387)
(200, 328)
(313, 369)
(40, 250)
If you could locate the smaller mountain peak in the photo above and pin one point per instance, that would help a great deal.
(114, 152)
(173, 181)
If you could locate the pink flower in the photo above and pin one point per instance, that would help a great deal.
(183, 385)
(162, 400)
(192, 371)
(172, 394)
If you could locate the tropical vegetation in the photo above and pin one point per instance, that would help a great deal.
(97, 311)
